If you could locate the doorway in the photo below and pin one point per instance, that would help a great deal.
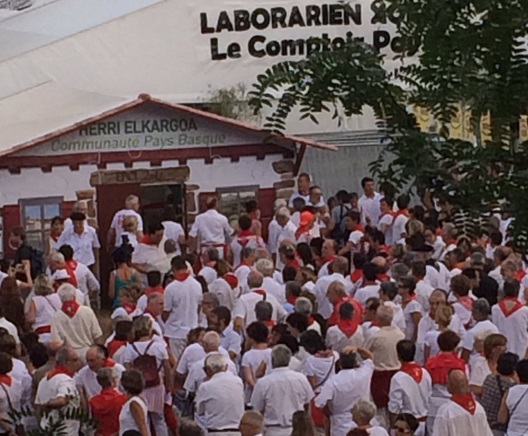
(156, 199)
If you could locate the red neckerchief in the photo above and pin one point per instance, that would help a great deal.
(129, 308)
(231, 280)
(254, 216)
(503, 307)
(115, 345)
(260, 292)
(413, 370)
(54, 236)
(387, 213)
(358, 311)
(294, 263)
(348, 326)
(385, 249)
(245, 233)
(302, 230)
(181, 276)
(109, 363)
(311, 320)
(59, 370)
(270, 323)
(375, 323)
(70, 308)
(5, 379)
(244, 236)
(519, 275)
(442, 364)
(360, 228)
(328, 259)
(383, 277)
(291, 299)
(466, 301)
(160, 289)
(147, 240)
(356, 275)
(465, 401)
(401, 212)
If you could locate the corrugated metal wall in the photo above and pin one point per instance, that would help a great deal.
(344, 168)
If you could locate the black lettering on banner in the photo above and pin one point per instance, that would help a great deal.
(203, 24)
(312, 46)
(224, 23)
(353, 13)
(313, 15)
(260, 23)
(380, 12)
(291, 47)
(278, 18)
(296, 18)
(381, 39)
(325, 15)
(273, 48)
(252, 46)
(336, 15)
(233, 51)
(215, 51)
(338, 42)
(242, 20)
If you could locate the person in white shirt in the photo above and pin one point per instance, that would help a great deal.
(388, 293)
(329, 254)
(247, 261)
(273, 226)
(511, 318)
(515, 403)
(211, 345)
(357, 232)
(75, 325)
(251, 423)
(244, 238)
(369, 203)
(244, 313)
(344, 389)
(363, 413)
(435, 241)
(281, 393)
(86, 378)
(266, 268)
(401, 217)
(10, 327)
(82, 239)
(462, 415)
(412, 309)
(303, 189)
(370, 287)
(219, 320)
(150, 253)
(173, 229)
(410, 387)
(209, 257)
(220, 399)
(10, 394)
(347, 332)
(480, 312)
(210, 229)
(286, 231)
(386, 221)
(57, 392)
(116, 227)
(423, 290)
(338, 270)
(133, 416)
(463, 303)
(183, 299)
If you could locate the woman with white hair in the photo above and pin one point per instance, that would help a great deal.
(42, 307)
(75, 325)
(363, 411)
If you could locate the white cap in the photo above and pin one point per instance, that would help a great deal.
(60, 274)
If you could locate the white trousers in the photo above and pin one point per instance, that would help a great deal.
(277, 431)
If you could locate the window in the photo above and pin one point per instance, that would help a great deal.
(233, 200)
(36, 214)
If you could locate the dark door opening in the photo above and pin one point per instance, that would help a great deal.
(155, 199)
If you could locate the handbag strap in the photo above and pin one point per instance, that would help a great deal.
(7, 396)
(328, 373)
(499, 383)
(514, 408)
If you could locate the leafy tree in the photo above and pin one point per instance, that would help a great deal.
(468, 56)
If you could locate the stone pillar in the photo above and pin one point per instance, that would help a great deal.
(191, 202)
(87, 197)
(286, 186)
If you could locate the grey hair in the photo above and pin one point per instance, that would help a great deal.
(255, 279)
(263, 310)
(216, 362)
(385, 314)
(210, 297)
(57, 256)
(481, 306)
(303, 306)
(66, 292)
(481, 336)
(280, 356)
(211, 341)
(477, 260)
(154, 295)
(265, 267)
(283, 212)
(63, 355)
(366, 410)
(400, 270)
(42, 285)
(337, 286)
(279, 204)
(105, 377)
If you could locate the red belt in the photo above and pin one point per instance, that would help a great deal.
(422, 419)
(43, 329)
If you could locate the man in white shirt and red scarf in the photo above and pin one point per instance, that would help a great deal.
(57, 394)
(150, 254)
(329, 254)
(410, 387)
(511, 318)
(400, 219)
(462, 414)
(244, 238)
(211, 229)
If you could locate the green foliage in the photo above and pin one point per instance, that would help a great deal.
(466, 52)
(231, 103)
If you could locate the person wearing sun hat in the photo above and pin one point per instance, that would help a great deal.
(306, 224)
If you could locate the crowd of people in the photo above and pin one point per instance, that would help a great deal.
(360, 315)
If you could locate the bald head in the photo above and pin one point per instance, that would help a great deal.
(380, 262)
(457, 382)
